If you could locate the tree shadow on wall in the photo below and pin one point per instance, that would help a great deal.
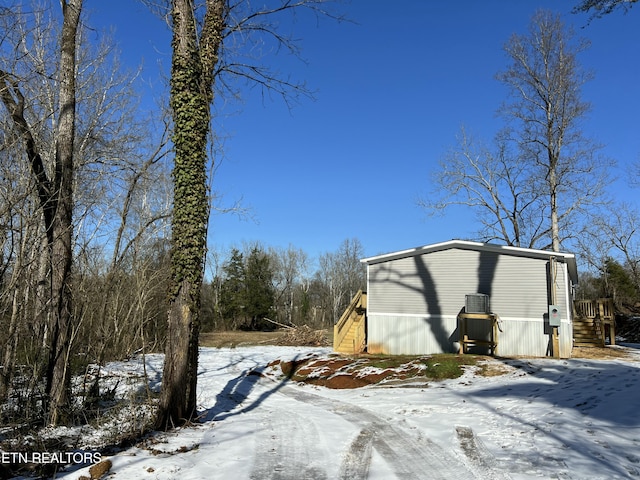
(430, 295)
(427, 286)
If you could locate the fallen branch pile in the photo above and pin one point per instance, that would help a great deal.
(304, 336)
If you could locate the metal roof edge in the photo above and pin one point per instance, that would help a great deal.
(569, 258)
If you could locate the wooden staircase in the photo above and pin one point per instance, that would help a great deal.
(590, 322)
(587, 333)
(349, 334)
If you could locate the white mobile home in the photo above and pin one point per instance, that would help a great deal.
(415, 298)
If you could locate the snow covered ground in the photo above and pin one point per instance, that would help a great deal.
(544, 418)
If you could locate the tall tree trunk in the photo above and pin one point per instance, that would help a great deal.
(55, 196)
(60, 232)
(194, 56)
(10, 346)
(555, 227)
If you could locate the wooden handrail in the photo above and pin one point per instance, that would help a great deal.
(354, 311)
(602, 308)
(355, 303)
(586, 308)
(607, 311)
(602, 313)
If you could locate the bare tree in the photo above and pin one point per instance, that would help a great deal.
(114, 175)
(500, 189)
(544, 112)
(20, 253)
(342, 275)
(535, 187)
(117, 297)
(615, 234)
(603, 7)
(55, 194)
(290, 267)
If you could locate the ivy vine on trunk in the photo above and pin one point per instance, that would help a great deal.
(199, 30)
(195, 55)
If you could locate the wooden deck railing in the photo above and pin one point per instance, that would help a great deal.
(349, 334)
(607, 319)
(586, 308)
(602, 313)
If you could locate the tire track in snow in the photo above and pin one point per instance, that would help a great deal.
(409, 456)
(479, 456)
(356, 463)
(285, 449)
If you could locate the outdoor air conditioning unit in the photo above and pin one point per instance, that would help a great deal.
(476, 303)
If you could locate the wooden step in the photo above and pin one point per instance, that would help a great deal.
(587, 344)
(586, 333)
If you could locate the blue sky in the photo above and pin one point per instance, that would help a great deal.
(392, 89)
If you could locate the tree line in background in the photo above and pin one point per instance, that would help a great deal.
(260, 288)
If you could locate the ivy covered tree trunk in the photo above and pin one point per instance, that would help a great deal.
(199, 27)
(195, 55)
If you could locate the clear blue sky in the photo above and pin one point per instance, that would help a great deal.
(393, 89)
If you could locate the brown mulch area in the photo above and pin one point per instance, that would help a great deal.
(339, 372)
(606, 353)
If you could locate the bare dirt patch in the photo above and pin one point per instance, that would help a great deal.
(602, 353)
(298, 336)
(239, 338)
(491, 367)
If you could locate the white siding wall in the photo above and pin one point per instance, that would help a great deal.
(410, 335)
(413, 302)
(414, 335)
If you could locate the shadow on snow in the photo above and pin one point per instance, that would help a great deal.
(604, 391)
(236, 392)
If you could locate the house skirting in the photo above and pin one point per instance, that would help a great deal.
(402, 334)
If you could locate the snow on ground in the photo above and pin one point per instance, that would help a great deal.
(544, 418)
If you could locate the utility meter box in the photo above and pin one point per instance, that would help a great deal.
(554, 315)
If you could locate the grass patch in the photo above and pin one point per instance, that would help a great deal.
(440, 367)
(436, 367)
